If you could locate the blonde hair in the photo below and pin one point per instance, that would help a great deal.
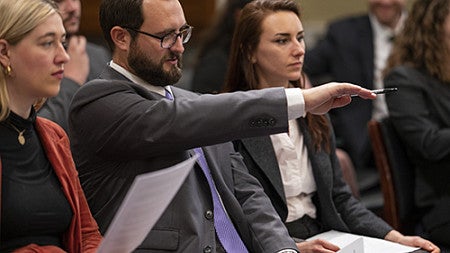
(18, 19)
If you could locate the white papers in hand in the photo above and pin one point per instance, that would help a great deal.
(146, 200)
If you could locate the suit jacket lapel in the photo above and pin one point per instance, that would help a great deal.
(214, 165)
(366, 48)
(261, 149)
(320, 172)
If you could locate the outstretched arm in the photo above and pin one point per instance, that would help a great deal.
(321, 99)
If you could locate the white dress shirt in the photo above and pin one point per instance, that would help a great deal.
(383, 37)
(296, 172)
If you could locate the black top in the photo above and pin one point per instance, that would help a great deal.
(34, 208)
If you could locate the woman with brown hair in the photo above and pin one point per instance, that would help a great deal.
(419, 67)
(299, 170)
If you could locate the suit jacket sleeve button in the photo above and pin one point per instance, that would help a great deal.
(207, 249)
(209, 214)
(272, 122)
(259, 123)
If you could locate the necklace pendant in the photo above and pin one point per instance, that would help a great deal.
(21, 139)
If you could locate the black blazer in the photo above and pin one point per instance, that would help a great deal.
(119, 129)
(420, 112)
(346, 54)
(336, 207)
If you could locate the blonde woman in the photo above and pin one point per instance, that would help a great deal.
(43, 208)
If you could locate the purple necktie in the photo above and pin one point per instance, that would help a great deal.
(228, 236)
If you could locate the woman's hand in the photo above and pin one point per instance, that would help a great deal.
(413, 241)
(317, 246)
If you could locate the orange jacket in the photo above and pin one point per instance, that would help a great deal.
(83, 235)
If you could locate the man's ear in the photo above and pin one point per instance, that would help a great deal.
(121, 38)
(4, 53)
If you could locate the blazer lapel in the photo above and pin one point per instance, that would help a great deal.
(366, 48)
(320, 172)
(261, 149)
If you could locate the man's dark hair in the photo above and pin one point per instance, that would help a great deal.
(123, 13)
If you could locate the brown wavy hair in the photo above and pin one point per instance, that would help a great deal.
(421, 44)
(241, 74)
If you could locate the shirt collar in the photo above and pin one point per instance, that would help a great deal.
(382, 29)
(137, 80)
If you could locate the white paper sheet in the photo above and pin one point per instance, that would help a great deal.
(356, 246)
(371, 245)
(146, 200)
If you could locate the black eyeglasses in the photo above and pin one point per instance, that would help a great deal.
(168, 40)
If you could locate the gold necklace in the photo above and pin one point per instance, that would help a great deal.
(20, 137)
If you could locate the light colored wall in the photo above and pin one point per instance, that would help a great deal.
(316, 14)
(322, 10)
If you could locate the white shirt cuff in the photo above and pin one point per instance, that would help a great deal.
(295, 103)
(288, 251)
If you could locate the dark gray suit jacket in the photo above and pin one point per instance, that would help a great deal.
(420, 112)
(336, 207)
(346, 54)
(57, 108)
(119, 129)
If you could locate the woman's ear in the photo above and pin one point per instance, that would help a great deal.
(250, 55)
(252, 58)
(4, 53)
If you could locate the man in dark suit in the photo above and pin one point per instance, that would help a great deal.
(87, 60)
(355, 50)
(132, 121)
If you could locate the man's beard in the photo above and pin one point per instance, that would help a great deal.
(72, 27)
(151, 72)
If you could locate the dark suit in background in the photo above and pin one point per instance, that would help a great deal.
(346, 54)
(120, 129)
(420, 112)
(57, 108)
(336, 207)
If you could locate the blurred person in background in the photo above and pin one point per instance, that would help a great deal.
(354, 49)
(212, 61)
(419, 67)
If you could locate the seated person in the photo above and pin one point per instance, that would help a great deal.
(132, 120)
(419, 111)
(298, 169)
(43, 208)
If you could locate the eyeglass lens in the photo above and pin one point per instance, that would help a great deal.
(170, 39)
